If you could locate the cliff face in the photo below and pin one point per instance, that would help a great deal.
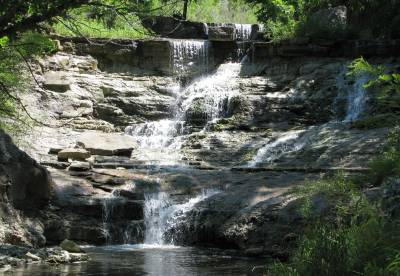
(25, 191)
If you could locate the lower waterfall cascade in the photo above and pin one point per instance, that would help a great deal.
(162, 214)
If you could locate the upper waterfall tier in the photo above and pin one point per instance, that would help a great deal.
(182, 29)
(190, 55)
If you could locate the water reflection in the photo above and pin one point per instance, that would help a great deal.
(150, 260)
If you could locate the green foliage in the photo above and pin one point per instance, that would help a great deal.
(14, 71)
(387, 164)
(366, 18)
(384, 85)
(226, 11)
(357, 236)
(359, 240)
(81, 22)
(121, 19)
(278, 31)
(360, 66)
(338, 189)
(20, 16)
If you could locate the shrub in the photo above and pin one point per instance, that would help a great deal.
(387, 164)
(14, 71)
(361, 240)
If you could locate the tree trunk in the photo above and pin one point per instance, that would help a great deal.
(185, 7)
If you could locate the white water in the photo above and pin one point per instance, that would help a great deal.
(356, 99)
(190, 55)
(283, 144)
(289, 142)
(215, 90)
(243, 31)
(161, 214)
(160, 141)
(108, 206)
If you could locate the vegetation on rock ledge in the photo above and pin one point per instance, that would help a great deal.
(357, 228)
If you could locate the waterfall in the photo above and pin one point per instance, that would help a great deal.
(273, 150)
(215, 90)
(243, 31)
(190, 56)
(160, 141)
(161, 215)
(356, 99)
(108, 206)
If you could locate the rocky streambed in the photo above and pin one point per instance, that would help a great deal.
(136, 145)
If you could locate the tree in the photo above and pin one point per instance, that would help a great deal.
(185, 8)
(21, 15)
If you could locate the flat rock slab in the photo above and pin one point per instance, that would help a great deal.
(56, 81)
(79, 166)
(74, 154)
(107, 144)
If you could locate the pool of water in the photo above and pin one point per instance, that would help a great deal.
(152, 260)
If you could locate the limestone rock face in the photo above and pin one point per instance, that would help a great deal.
(25, 190)
(56, 81)
(26, 183)
(107, 143)
(80, 210)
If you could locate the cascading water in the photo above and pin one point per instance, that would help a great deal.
(243, 31)
(286, 143)
(190, 55)
(161, 215)
(108, 206)
(294, 141)
(160, 141)
(214, 90)
(356, 99)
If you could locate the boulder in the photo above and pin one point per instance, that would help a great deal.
(74, 154)
(27, 184)
(327, 23)
(70, 246)
(56, 81)
(222, 33)
(107, 144)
